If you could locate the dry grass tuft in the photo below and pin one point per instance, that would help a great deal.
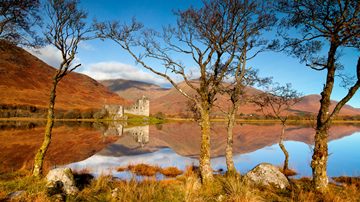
(170, 171)
(143, 169)
(121, 169)
(236, 189)
(186, 187)
(192, 171)
(353, 181)
(288, 172)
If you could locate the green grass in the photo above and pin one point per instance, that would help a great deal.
(134, 120)
(22, 181)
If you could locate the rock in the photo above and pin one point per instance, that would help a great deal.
(266, 174)
(61, 180)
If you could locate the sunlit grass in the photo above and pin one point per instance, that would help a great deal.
(185, 187)
(150, 170)
(170, 171)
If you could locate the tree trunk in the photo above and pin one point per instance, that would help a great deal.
(205, 167)
(320, 155)
(229, 144)
(319, 160)
(283, 149)
(39, 158)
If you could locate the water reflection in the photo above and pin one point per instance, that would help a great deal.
(140, 134)
(283, 148)
(104, 146)
(177, 144)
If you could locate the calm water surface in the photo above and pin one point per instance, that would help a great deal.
(101, 148)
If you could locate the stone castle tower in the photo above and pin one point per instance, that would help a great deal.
(141, 107)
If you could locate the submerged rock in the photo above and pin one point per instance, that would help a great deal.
(266, 174)
(61, 180)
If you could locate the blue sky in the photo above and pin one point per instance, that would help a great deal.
(105, 60)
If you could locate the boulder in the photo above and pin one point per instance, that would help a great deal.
(266, 174)
(61, 180)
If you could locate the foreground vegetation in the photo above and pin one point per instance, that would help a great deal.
(186, 187)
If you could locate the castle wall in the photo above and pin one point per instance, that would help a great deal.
(141, 107)
(115, 112)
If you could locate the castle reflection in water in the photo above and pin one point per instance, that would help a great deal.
(140, 134)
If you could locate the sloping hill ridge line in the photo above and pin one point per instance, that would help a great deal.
(171, 102)
(26, 80)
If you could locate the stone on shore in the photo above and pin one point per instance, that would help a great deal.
(266, 174)
(61, 180)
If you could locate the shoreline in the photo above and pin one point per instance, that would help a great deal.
(176, 120)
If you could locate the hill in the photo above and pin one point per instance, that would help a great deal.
(171, 102)
(26, 80)
(311, 104)
(132, 90)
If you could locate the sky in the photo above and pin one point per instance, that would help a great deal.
(106, 60)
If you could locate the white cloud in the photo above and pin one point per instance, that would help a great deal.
(49, 54)
(117, 70)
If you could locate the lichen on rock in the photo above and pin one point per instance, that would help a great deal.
(61, 179)
(266, 174)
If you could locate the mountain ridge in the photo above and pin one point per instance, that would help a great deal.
(26, 80)
(171, 102)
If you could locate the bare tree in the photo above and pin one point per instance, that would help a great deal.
(210, 36)
(277, 101)
(17, 18)
(256, 18)
(237, 91)
(331, 25)
(65, 30)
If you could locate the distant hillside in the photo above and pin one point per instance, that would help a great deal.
(26, 80)
(311, 103)
(132, 90)
(171, 102)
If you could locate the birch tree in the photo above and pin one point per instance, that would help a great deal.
(277, 101)
(257, 18)
(65, 29)
(209, 35)
(330, 26)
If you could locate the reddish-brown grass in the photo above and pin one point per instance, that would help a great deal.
(143, 169)
(288, 172)
(26, 80)
(121, 169)
(354, 181)
(170, 171)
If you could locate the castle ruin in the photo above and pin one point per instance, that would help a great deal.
(141, 108)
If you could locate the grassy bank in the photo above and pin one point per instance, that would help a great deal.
(185, 187)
